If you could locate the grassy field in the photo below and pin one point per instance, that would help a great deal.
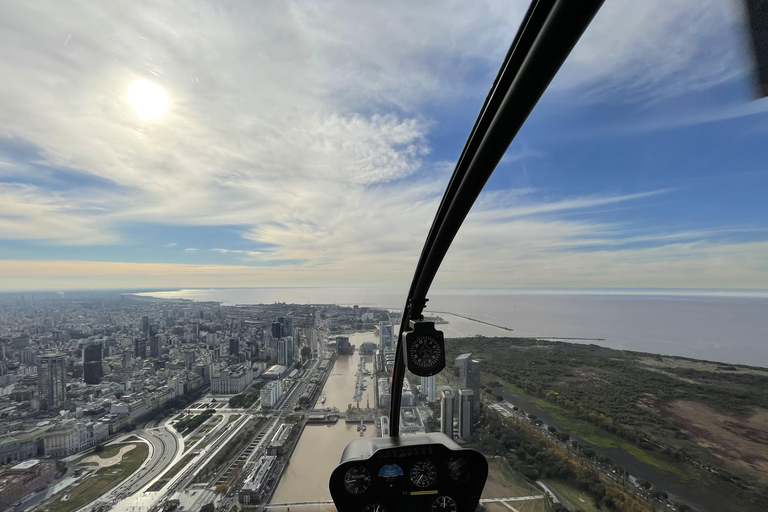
(597, 436)
(578, 499)
(210, 440)
(700, 427)
(103, 480)
(189, 443)
(503, 483)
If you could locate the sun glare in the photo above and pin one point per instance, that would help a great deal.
(149, 100)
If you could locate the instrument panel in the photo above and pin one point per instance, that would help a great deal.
(425, 473)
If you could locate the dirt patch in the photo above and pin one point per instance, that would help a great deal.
(649, 402)
(739, 440)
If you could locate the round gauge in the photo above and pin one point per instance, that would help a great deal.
(374, 507)
(391, 474)
(424, 351)
(458, 469)
(357, 480)
(444, 504)
(423, 474)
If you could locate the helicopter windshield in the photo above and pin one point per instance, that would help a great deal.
(210, 214)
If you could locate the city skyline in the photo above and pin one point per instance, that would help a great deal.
(301, 145)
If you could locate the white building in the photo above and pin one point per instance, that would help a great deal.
(271, 394)
(232, 380)
(91, 433)
(61, 441)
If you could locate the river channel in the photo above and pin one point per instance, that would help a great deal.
(319, 449)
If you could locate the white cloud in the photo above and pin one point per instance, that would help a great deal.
(171, 244)
(305, 122)
(640, 51)
(27, 212)
(191, 249)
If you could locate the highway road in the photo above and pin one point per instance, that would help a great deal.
(165, 447)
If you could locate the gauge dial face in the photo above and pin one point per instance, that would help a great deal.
(423, 473)
(357, 480)
(458, 469)
(424, 351)
(444, 504)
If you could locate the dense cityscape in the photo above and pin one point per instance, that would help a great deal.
(125, 402)
(210, 399)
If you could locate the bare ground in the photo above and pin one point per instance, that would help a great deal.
(739, 440)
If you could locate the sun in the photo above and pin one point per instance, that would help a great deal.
(148, 100)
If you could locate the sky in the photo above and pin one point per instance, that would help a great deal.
(308, 144)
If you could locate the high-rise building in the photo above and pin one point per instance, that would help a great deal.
(282, 352)
(466, 414)
(140, 347)
(155, 346)
(468, 377)
(92, 370)
(287, 322)
(386, 336)
(277, 330)
(234, 346)
(271, 394)
(290, 351)
(189, 359)
(446, 413)
(428, 388)
(51, 384)
(152, 330)
(145, 324)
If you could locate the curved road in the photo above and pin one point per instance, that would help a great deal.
(165, 447)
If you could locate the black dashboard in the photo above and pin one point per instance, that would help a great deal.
(424, 473)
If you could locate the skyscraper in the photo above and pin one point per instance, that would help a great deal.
(92, 371)
(277, 330)
(386, 336)
(155, 346)
(287, 322)
(428, 388)
(145, 324)
(282, 352)
(466, 408)
(234, 346)
(140, 347)
(446, 413)
(290, 350)
(468, 377)
(51, 386)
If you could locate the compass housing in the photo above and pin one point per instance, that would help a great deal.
(424, 349)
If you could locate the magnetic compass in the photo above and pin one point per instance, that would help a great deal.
(424, 349)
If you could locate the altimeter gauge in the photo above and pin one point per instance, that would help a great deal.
(423, 473)
(424, 349)
(357, 480)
